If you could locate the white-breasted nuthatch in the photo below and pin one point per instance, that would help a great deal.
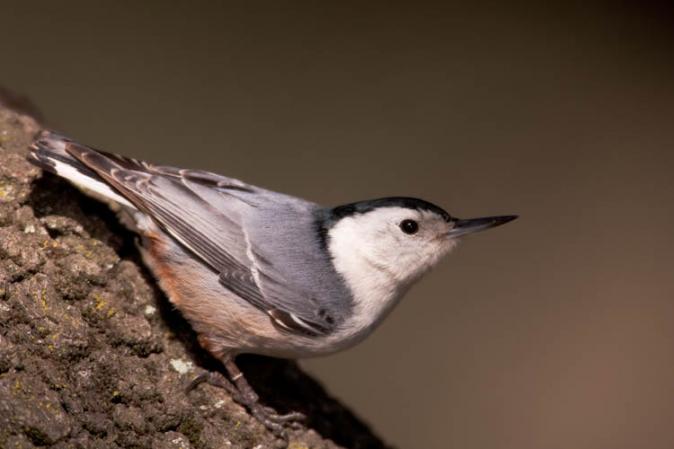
(256, 271)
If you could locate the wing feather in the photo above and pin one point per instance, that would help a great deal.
(205, 213)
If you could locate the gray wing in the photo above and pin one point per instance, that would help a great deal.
(209, 214)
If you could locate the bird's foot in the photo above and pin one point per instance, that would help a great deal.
(244, 394)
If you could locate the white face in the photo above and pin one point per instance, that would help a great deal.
(379, 260)
(400, 242)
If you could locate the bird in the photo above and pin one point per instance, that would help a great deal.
(257, 271)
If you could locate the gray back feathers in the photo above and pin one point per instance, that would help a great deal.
(265, 246)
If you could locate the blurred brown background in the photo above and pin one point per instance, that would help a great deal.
(556, 331)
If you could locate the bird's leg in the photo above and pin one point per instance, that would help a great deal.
(266, 415)
(243, 393)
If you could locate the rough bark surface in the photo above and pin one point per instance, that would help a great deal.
(91, 353)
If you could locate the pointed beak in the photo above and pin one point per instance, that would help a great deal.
(470, 225)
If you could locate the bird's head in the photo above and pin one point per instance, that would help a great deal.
(396, 238)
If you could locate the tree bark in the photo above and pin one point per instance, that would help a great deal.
(91, 353)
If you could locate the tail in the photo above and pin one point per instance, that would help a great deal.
(50, 152)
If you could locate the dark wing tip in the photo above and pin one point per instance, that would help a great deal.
(289, 322)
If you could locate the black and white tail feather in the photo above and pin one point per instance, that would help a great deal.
(49, 152)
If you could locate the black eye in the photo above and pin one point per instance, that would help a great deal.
(409, 226)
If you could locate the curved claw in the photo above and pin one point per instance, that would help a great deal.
(217, 380)
(291, 418)
(196, 381)
(268, 421)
